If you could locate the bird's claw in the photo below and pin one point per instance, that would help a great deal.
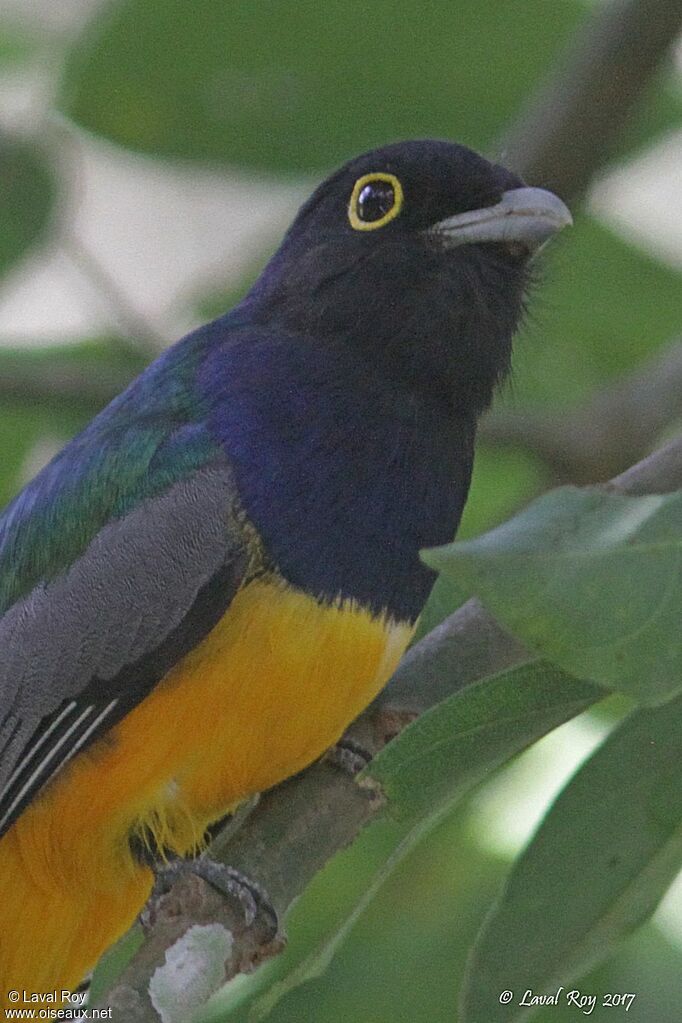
(252, 897)
(349, 756)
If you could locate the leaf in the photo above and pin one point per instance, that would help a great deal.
(588, 579)
(602, 859)
(15, 46)
(419, 923)
(453, 746)
(27, 193)
(300, 87)
(335, 899)
(113, 963)
(318, 960)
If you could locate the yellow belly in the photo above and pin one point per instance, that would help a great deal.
(271, 687)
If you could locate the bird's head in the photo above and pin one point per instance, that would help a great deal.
(416, 256)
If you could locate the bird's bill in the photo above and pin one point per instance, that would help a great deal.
(523, 216)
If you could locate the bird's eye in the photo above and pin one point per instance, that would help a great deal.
(375, 200)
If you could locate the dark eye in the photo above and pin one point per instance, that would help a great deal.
(375, 200)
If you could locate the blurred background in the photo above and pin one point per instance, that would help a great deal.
(152, 153)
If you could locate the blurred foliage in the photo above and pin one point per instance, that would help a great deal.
(601, 308)
(616, 827)
(28, 181)
(16, 47)
(23, 427)
(406, 956)
(295, 87)
(27, 192)
(291, 89)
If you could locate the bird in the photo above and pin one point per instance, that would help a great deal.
(204, 588)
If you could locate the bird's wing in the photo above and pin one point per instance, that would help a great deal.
(90, 640)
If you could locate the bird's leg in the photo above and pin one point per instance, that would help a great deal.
(168, 868)
(349, 756)
(230, 882)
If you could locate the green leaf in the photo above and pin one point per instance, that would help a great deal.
(113, 963)
(27, 193)
(15, 46)
(445, 597)
(315, 964)
(303, 86)
(596, 869)
(419, 923)
(589, 579)
(330, 906)
(451, 747)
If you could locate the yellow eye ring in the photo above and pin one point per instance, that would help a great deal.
(353, 206)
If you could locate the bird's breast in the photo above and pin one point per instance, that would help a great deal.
(275, 684)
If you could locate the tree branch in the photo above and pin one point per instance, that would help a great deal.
(57, 381)
(139, 337)
(568, 129)
(298, 826)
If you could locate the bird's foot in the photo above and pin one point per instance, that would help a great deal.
(349, 756)
(252, 898)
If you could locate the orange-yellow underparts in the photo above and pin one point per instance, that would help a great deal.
(270, 688)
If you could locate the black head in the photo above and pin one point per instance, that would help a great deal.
(416, 256)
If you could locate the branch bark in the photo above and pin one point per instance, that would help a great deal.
(298, 826)
(568, 129)
(138, 337)
(57, 381)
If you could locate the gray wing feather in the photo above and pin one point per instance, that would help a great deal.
(130, 589)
